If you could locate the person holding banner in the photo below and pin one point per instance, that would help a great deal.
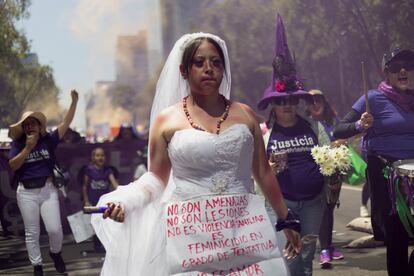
(206, 221)
(31, 157)
(288, 143)
(387, 121)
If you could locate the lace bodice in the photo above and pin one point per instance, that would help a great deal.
(206, 163)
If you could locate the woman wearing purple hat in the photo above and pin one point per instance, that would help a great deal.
(288, 145)
(387, 122)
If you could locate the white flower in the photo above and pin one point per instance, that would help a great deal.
(331, 160)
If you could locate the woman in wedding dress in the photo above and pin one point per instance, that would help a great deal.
(193, 212)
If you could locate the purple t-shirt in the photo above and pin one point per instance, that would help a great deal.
(392, 133)
(302, 179)
(39, 162)
(99, 183)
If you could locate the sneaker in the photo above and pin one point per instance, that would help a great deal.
(325, 259)
(59, 263)
(363, 211)
(335, 254)
(38, 270)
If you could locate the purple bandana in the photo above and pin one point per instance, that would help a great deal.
(404, 100)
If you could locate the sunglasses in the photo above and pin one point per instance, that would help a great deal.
(397, 66)
(285, 101)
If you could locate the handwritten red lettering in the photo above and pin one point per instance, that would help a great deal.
(197, 261)
(256, 236)
(217, 236)
(172, 210)
(190, 207)
(189, 230)
(172, 221)
(190, 218)
(252, 249)
(222, 256)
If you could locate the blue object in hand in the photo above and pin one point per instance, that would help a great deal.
(94, 209)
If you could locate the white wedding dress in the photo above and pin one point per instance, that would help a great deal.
(203, 164)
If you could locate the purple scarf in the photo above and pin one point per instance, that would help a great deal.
(405, 100)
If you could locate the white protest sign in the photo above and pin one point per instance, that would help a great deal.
(223, 232)
(81, 226)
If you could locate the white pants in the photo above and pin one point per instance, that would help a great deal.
(33, 203)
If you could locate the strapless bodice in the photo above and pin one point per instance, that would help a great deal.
(206, 163)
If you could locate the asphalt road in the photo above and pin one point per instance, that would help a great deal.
(366, 261)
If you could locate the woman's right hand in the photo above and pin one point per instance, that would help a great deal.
(277, 164)
(366, 120)
(31, 141)
(115, 212)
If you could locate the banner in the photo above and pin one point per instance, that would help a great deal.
(215, 234)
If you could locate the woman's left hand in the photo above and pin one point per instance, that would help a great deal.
(293, 245)
(74, 95)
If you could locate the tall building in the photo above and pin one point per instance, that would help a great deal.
(132, 67)
(175, 20)
(101, 115)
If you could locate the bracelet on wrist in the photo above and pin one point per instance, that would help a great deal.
(290, 222)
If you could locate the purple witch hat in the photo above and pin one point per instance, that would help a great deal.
(284, 81)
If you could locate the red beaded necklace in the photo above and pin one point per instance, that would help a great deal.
(196, 126)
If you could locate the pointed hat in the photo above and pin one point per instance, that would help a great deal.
(284, 80)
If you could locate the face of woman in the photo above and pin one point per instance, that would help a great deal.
(31, 126)
(285, 108)
(400, 74)
(206, 69)
(316, 107)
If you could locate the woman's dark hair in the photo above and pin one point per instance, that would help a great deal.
(329, 114)
(192, 47)
(271, 119)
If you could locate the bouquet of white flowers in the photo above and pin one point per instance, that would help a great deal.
(333, 162)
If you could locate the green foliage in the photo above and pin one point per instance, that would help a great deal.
(329, 39)
(137, 102)
(23, 84)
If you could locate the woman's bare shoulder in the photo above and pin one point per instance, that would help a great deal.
(167, 114)
(170, 120)
(248, 112)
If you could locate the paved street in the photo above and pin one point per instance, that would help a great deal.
(367, 261)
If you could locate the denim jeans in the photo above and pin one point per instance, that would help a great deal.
(310, 214)
(34, 203)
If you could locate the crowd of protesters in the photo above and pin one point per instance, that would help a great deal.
(384, 117)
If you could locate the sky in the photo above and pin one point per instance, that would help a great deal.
(77, 38)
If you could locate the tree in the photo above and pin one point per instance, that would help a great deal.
(137, 102)
(329, 39)
(24, 83)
